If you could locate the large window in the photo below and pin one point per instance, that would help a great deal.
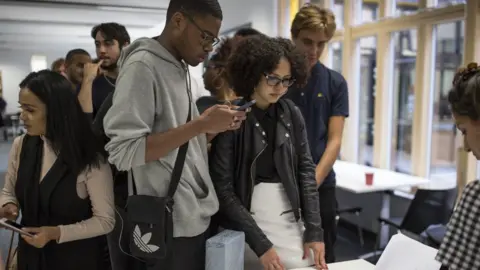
(336, 49)
(399, 121)
(448, 57)
(368, 64)
(448, 2)
(338, 9)
(405, 47)
(405, 7)
(369, 11)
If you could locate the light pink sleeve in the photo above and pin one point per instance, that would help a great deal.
(99, 183)
(8, 192)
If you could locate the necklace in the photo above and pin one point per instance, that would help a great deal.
(109, 82)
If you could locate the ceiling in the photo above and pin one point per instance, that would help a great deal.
(60, 25)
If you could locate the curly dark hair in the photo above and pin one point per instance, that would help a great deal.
(261, 54)
(464, 97)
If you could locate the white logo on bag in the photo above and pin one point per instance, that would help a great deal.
(141, 241)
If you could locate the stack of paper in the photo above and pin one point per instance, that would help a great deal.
(405, 253)
(401, 253)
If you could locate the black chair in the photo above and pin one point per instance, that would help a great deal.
(355, 211)
(428, 207)
(433, 235)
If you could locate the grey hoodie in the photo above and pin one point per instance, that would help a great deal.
(151, 97)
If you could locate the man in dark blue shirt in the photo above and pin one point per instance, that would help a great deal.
(324, 105)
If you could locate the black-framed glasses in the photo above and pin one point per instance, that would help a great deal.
(273, 80)
(207, 37)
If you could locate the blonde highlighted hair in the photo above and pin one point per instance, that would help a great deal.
(313, 17)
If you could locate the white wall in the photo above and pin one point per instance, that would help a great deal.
(262, 14)
(15, 65)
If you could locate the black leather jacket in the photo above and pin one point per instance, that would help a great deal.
(232, 168)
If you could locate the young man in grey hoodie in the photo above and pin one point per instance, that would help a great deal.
(146, 123)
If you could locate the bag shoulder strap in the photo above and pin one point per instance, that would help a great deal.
(179, 162)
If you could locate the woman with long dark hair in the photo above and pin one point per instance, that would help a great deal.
(263, 172)
(59, 179)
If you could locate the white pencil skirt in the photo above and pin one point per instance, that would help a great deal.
(269, 201)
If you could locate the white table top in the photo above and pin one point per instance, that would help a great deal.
(347, 265)
(351, 176)
(351, 265)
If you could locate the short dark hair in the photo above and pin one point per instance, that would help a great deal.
(73, 53)
(247, 32)
(464, 97)
(195, 7)
(112, 31)
(261, 54)
(67, 128)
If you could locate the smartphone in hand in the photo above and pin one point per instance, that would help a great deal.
(247, 105)
(12, 225)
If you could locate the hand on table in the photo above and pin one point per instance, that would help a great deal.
(318, 249)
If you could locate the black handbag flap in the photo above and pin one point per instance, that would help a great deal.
(148, 209)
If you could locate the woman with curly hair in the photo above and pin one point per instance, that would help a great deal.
(215, 78)
(263, 172)
(460, 248)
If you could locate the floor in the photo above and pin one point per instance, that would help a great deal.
(348, 244)
(347, 248)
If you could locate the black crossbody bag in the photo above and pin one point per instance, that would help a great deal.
(151, 218)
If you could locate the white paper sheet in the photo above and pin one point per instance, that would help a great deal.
(346, 265)
(405, 253)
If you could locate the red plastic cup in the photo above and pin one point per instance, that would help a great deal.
(369, 178)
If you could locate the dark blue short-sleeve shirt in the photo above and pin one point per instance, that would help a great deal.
(324, 96)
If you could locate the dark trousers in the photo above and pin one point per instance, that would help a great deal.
(118, 241)
(328, 213)
(187, 253)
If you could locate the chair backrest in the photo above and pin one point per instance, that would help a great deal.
(429, 207)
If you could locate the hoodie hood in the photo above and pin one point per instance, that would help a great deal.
(150, 46)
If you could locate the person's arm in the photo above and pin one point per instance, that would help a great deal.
(239, 218)
(130, 119)
(90, 72)
(8, 192)
(461, 229)
(99, 184)
(335, 131)
(85, 95)
(306, 175)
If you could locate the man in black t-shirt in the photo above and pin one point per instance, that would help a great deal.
(99, 78)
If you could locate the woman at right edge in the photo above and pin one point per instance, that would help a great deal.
(263, 172)
(460, 248)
